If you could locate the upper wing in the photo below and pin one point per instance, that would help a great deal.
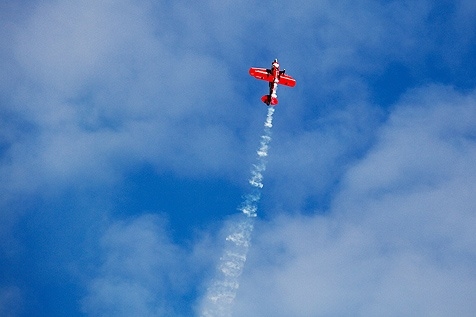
(261, 73)
(287, 80)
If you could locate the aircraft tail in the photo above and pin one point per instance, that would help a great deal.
(270, 101)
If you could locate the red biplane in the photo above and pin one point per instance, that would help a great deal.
(274, 76)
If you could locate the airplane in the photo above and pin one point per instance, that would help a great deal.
(275, 77)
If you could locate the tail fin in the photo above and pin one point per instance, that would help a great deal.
(270, 101)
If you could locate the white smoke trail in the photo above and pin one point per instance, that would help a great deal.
(222, 292)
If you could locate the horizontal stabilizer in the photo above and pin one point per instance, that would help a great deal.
(270, 101)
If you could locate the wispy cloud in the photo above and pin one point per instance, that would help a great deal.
(91, 91)
(142, 272)
(398, 240)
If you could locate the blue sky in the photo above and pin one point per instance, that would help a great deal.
(128, 130)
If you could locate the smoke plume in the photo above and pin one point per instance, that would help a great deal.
(222, 291)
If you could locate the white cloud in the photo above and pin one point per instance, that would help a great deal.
(92, 89)
(398, 239)
(109, 84)
(100, 91)
(142, 272)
